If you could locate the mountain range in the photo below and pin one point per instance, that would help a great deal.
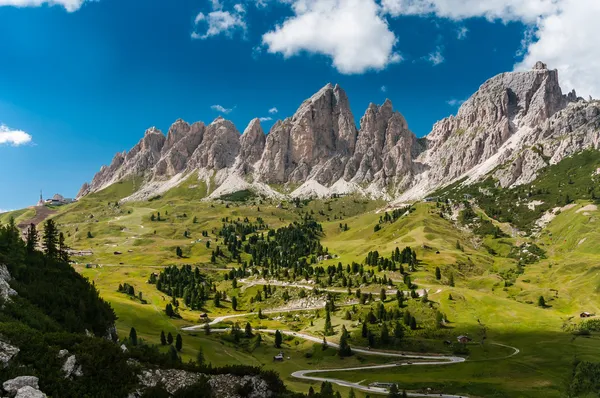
(514, 125)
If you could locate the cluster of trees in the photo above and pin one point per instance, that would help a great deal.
(394, 214)
(194, 287)
(168, 340)
(130, 290)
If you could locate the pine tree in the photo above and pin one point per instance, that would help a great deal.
(234, 303)
(32, 238)
(248, 330)
(451, 279)
(365, 329)
(89, 235)
(200, 357)
(394, 392)
(207, 328)
(541, 302)
(178, 342)
(169, 310)
(384, 334)
(169, 338)
(382, 294)
(260, 315)
(50, 239)
(278, 339)
(413, 323)
(398, 331)
(217, 299)
(179, 252)
(163, 339)
(328, 327)
(345, 350)
(438, 273)
(133, 337)
(63, 251)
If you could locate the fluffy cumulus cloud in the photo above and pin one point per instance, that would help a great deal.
(559, 32)
(273, 110)
(222, 109)
(13, 137)
(567, 41)
(69, 5)
(353, 33)
(505, 10)
(219, 21)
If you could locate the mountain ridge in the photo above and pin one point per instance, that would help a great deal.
(512, 126)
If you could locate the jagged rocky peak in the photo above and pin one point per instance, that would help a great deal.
(252, 143)
(219, 147)
(182, 141)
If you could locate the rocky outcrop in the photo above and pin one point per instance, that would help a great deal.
(6, 292)
(70, 368)
(7, 352)
(320, 151)
(29, 392)
(12, 386)
(225, 385)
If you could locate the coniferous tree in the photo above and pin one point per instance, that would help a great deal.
(178, 251)
(248, 330)
(451, 279)
(398, 331)
(63, 251)
(234, 303)
(438, 273)
(163, 339)
(541, 302)
(365, 329)
(32, 238)
(169, 338)
(345, 350)
(328, 327)
(382, 294)
(200, 357)
(178, 342)
(278, 339)
(394, 392)
(50, 239)
(133, 337)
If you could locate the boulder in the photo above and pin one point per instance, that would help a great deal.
(13, 385)
(29, 392)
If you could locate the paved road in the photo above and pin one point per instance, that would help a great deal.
(422, 360)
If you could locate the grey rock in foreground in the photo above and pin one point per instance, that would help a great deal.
(12, 386)
(29, 392)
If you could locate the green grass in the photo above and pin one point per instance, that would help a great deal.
(490, 289)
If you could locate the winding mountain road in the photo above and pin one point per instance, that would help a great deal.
(306, 374)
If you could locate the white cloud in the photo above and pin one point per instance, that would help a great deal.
(221, 109)
(69, 5)
(265, 119)
(219, 21)
(506, 10)
(353, 33)
(436, 57)
(383, 89)
(462, 33)
(455, 102)
(13, 137)
(4, 211)
(565, 41)
(273, 110)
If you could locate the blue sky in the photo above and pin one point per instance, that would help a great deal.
(84, 80)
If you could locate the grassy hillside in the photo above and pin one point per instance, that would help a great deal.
(483, 279)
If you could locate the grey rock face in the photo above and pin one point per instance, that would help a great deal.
(219, 147)
(29, 392)
(182, 140)
(70, 368)
(6, 292)
(223, 385)
(496, 127)
(7, 352)
(252, 145)
(13, 385)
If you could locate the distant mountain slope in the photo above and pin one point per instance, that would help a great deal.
(514, 125)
